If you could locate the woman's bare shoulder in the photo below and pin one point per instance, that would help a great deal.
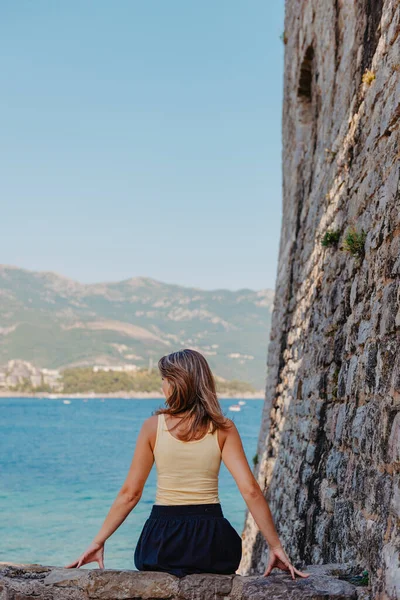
(230, 425)
(150, 427)
(228, 431)
(150, 424)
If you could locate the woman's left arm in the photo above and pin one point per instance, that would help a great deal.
(127, 498)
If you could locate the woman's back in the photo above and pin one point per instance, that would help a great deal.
(187, 472)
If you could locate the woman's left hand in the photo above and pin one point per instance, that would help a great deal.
(277, 558)
(94, 553)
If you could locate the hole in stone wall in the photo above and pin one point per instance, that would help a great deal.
(339, 26)
(299, 394)
(305, 88)
(305, 80)
(373, 14)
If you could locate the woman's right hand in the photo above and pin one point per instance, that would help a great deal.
(277, 558)
(94, 553)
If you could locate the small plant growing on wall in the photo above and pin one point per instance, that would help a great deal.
(368, 77)
(255, 459)
(283, 37)
(330, 238)
(330, 154)
(361, 580)
(354, 242)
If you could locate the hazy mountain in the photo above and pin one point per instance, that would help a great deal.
(56, 322)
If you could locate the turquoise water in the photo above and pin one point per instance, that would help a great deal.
(62, 465)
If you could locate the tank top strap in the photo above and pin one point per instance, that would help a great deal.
(160, 421)
(162, 424)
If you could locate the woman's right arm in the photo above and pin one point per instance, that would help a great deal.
(235, 461)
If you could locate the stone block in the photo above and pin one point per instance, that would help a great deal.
(125, 585)
(394, 441)
(203, 587)
(390, 307)
(282, 587)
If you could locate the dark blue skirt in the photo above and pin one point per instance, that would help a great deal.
(188, 538)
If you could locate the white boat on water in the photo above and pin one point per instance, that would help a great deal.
(241, 402)
(66, 401)
(235, 407)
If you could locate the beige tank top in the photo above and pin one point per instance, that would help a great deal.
(187, 472)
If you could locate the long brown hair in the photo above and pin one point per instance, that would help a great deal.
(193, 391)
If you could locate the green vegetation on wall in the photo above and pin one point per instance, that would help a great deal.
(330, 238)
(354, 242)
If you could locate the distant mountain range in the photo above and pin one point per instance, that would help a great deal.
(56, 322)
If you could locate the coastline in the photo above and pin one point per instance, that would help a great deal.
(118, 395)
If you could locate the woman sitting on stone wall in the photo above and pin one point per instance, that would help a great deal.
(186, 531)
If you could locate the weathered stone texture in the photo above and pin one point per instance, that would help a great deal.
(329, 445)
(24, 582)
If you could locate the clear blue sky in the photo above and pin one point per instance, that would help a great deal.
(142, 138)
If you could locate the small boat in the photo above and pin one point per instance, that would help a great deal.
(235, 407)
(241, 402)
(66, 401)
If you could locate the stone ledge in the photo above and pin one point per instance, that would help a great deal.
(28, 581)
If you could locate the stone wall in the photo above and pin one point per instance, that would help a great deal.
(329, 444)
(26, 582)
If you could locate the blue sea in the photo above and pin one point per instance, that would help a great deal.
(62, 465)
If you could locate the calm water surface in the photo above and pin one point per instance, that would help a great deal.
(62, 465)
